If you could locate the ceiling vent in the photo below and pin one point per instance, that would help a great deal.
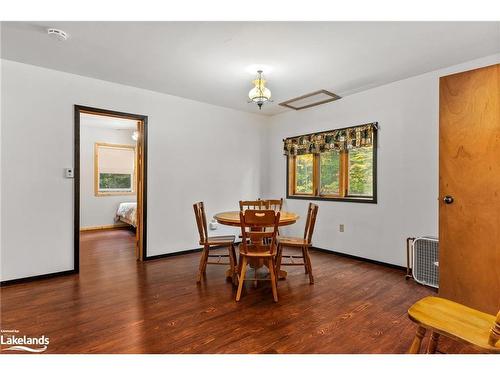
(58, 34)
(310, 100)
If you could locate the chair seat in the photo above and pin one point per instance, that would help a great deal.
(454, 320)
(221, 240)
(292, 241)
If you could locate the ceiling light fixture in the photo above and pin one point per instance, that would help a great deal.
(58, 34)
(259, 94)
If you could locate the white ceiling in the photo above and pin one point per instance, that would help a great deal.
(214, 62)
(96, 121)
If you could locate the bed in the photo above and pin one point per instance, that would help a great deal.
(127, 213)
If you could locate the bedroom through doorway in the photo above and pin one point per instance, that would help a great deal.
(110, 187)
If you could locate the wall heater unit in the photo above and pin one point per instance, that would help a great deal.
(423, 260)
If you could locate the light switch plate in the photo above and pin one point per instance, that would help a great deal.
(341, 227)
(69, 173)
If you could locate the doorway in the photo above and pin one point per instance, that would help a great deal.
(111, 176)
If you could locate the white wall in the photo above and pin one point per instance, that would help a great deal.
(1, 152)
(98, 210)
(407, 112)
(195, 153)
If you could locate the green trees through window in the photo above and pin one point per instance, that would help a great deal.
(347, 174)
(329, 170)
(304, 174)
(115, 182)
(361, 171)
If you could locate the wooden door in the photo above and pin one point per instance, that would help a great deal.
(469, 188)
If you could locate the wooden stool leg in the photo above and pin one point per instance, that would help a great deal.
(304, 257)
(273, 279)
(235, 258)
(279, 252)
(240, 263)
(242, 277)
(417, 341)
(307, 260)
(433, 343)
(236, 273)
(276, 272)
(232, 264)
(203, 263)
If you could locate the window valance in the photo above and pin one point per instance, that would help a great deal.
(338, 139)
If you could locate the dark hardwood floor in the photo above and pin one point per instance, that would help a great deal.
(118, 305)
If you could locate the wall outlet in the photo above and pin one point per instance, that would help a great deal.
(341, 227)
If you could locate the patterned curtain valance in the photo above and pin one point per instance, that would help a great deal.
(339, 139)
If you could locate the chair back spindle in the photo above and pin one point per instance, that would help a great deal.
(201, 221)
(253, 205)
(312, 212)
(274, 204)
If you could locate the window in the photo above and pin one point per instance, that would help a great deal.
(335, 165)
(114, 169)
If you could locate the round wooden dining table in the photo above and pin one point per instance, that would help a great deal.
(232, 218)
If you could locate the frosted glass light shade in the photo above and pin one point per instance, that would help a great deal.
(259, 93)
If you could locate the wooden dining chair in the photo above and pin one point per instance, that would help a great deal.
(258, 245)
(211, 243)
(273, 204)
(253, 205)
(459, 322)
(299, 243)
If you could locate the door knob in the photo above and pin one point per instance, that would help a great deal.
(448, 199)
